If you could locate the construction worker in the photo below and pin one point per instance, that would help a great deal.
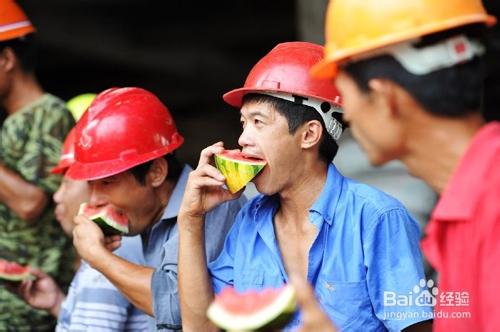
(309, 220)
(31, 137)
(412, 91)
(92, 303)
(125, 150)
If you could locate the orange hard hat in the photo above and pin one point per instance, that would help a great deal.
(13, 21)
(284, 73)
(357, 27)
(67, 155)
(122, 128)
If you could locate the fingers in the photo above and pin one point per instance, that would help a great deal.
(305, 294)
(207, 153)
(80, 219)
(112, 238)
(113, 242)
(37, 273)
(314, 318)
(206, 176)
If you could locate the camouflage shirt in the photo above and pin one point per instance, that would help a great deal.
(30, 145)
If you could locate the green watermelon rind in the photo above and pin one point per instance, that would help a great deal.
(15, 277)
(238, 173)
(274, 316)
(107, 225)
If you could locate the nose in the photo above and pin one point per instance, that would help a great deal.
(245, 138)
(58, 195)
(96, 199)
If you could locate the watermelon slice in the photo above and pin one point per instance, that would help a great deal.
(237, 168)
(109, 220)
(269, 309)
(12, 271)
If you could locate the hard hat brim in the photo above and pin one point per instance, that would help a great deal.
(59, 169)
(100, 170)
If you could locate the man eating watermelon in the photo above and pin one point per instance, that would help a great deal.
(124, 149)
(352, 242)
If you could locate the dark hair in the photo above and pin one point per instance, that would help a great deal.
(174, 169)
(296, 115)
(25, 48)
(452, 92)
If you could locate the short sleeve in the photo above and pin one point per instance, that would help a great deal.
(394, 268)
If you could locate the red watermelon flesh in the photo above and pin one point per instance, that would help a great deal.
(12, 271)
(253, 310)
(109, 220)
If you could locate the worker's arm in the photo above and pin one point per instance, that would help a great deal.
(133, 281)
(26, 199)
(203, 192)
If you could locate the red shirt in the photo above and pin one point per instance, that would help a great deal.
(463, 239)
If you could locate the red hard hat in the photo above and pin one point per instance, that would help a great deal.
(67, 155)
(13, 21)
(284, 73)
(286, 69)
(122, 128)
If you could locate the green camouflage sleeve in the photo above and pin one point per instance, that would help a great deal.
(34, 141)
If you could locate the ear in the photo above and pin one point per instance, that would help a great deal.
(158, 172)
(311, 133)
(385, 94)
(7, 59)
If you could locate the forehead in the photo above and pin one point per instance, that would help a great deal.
(253, 108)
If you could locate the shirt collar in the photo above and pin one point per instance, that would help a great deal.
(325, 205)
(462, 191)
(174, 203)
(328, 199)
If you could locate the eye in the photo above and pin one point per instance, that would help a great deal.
(257, 122)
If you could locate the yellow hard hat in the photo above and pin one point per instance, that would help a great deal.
(79, 104)
(357, 27)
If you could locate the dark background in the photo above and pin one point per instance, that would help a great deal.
(187, 52)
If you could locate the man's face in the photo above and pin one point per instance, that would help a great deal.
(265, 136)
(127, 196)
(68, 197)
(371, 121)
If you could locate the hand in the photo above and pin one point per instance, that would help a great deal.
(89, 240)
(313, 317)
(42, 293)
(113, 242)
(204, 188)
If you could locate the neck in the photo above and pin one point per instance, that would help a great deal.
(164, 194)
(302, 192)
(23, 91)
(435, 147)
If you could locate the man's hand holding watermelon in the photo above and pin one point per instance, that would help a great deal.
(204, 190)
(90, 241)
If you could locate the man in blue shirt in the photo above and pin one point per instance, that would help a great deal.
(357, 246)
(124, 150)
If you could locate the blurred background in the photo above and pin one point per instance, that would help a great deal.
(187, 52)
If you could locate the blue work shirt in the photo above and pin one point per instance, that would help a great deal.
(161, 248)
(366, 244)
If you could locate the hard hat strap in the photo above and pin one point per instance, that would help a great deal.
(425, 60)
(324, 108)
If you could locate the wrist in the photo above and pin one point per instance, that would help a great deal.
(56, 307)
(191, 222)
(96, 254)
